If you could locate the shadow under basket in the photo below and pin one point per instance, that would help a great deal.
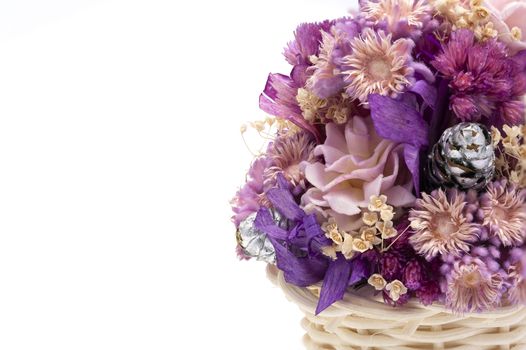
(364, 322)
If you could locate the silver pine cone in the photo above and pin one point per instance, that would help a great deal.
(464, 157)
(254, 243)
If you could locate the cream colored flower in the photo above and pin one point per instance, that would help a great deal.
(332, 231)
(387, 229)
(396, 289)
(347, 247)
(369, 234)
(370, 218)
(377, 281)
(377, 203)
(387, 214)
(361, 245)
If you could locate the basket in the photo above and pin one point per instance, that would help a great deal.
(363, 322)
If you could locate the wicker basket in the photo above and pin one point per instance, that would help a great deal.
(363, 322)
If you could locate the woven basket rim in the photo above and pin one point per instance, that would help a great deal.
(364, 303)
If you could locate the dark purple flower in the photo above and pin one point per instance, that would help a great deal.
(487, 84)
(390, 266)
(413, 275)
(429, 292)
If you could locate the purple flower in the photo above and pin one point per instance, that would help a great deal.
(486, 83)
(413, 275)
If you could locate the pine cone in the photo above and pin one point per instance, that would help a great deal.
(464, 157)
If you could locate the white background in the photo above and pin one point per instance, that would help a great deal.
(119, 151)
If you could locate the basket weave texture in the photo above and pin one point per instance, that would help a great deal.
(364, 322)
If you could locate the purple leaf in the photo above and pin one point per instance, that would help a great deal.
(299, 271)
(334, 284)
(265, 223)
(283, 201)
(396, 121)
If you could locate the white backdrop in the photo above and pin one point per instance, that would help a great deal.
(119, 151)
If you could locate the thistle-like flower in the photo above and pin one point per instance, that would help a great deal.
(504, 211)
(378, 66)
(440, 225)
(398, 14)
(286, 155)
(471, 287)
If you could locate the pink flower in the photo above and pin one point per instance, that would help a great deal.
(358, 164)
(508, 18)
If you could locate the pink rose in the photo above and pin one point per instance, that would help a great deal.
(357, 165)
(506, 15)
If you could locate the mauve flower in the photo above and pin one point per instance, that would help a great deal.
(357, 165)
(249, 198)
(486, 83)
(504, 209)
(440, 226)
(472, 288)
(286, 154)
(508, 18)
(377, 65)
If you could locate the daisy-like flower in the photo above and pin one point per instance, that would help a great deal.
(399, 15)
(471, 287)
(286, 155)
(504, 211)
(440, 226)
(396, 289)
(377, 65)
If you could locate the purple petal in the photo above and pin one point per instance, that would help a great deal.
(301, 272)
(334, 284)
(283, 201)
(265, 223)
(412, 160)
(360, 271)
(427, 91)
(396, 121)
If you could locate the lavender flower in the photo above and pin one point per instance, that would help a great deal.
(471, 287)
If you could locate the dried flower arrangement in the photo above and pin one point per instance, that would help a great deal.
(397, 156)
